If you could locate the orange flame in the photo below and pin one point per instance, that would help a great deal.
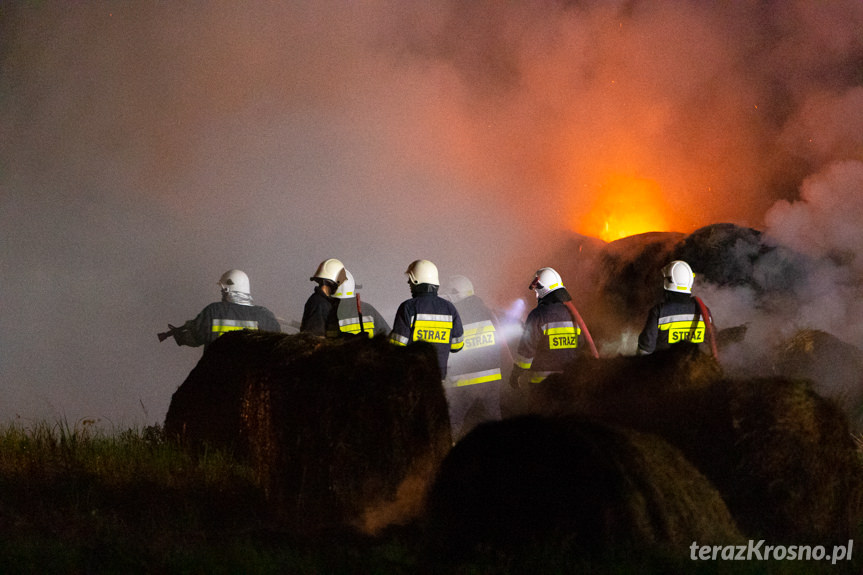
(626, 206)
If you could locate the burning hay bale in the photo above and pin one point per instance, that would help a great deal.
(571, 482)
(724, 253)
(834, 367)
(775, 450)
(339, 432)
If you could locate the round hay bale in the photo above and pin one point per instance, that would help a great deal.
(776, 450)
(834, 367)
(208, 407)
(339, 432)
(355, 422)
(572, 483)
(632, 380)
(797, 459)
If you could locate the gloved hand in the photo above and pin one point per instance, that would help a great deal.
(515, 376)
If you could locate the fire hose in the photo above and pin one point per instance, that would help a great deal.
(577, 317)
(360, 312)
(711, 335)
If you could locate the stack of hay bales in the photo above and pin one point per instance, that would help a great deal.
(781, 455)
(340, 432)
(571, 484)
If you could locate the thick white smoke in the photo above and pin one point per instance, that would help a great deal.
(813, 277)
(145, 148)
(825, 226)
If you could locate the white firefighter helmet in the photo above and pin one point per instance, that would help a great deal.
(331, 270)
(678, 277)
(347, 288)
(458, 288)
(234, 281)
(545, 281)
(422, 272)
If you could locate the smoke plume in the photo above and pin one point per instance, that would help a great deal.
(145, 148)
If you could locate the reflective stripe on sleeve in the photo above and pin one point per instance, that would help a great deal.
(538, 376)
(399, 339)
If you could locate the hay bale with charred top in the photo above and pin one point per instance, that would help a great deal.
(339, 432)
(571, 484)
(776, 451)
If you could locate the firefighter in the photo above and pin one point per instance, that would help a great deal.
(347, 317)
(427, 316)
(235, 312)
(474, 375)
(550, 338)
(329, 275)
(677, 317)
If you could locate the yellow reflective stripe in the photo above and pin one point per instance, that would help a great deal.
(434, 328)
(684, 331)
(455, 346)
(352, 325)
(221, 326)
(563, 330)
(559, 327)
(682, 325)
(398, 339)
(479, 334)
(476, 377)
(479, 340)
(355, 329)
(561, 334)
(478, 328)
(432, 324)
(523, 362)
(433, 317)
(683, 317)
(538, 376)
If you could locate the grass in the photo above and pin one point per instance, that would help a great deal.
(74, 499)
(77, 499)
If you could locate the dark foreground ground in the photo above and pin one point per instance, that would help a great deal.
(74, 500)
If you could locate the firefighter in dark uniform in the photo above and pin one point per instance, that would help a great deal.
(235, 312)
(347, 318)
(677, 317)
(329, 275)
(427, 316)
(551, 336)
(474, 375)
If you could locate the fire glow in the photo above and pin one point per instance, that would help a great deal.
(624, 207)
